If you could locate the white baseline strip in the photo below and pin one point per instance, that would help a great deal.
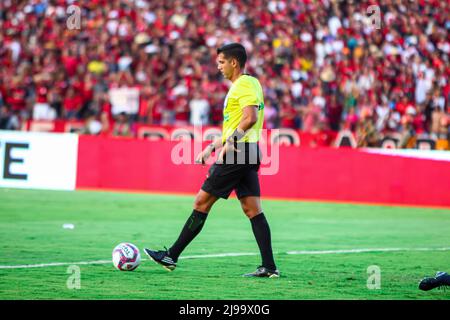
(220, 255)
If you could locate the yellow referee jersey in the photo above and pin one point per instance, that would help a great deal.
(245, 91)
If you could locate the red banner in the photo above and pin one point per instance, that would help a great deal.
(302, 173)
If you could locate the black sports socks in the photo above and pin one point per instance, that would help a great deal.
(261, 231)
(191, 229)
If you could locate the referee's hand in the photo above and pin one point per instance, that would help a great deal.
(226, 148)
(203, 156)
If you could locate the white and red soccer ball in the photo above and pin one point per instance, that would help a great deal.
(126, 256)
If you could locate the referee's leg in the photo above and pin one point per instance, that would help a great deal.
(194, 224)
(251, 205)
(204, 201)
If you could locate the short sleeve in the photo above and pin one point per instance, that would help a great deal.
(246, 94)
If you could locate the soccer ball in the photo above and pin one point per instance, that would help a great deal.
(126, 256)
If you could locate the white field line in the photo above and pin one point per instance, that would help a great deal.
(220, 255)
(367, 250)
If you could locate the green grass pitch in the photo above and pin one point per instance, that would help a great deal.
(31, 233)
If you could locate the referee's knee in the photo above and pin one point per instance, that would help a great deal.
(250, 213)
(201, 205)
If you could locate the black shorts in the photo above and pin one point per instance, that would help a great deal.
(241, 176)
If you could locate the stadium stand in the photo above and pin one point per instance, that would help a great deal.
(324, 65)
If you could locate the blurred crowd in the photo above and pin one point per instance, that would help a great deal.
(324, 65)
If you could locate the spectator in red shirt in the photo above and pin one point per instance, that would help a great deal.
(156, 110)
(16, 99)
(403, 105)
(182, 111)
(72, 104)
(288, 114)
(41, 108)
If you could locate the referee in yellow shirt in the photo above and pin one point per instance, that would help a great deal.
(237, 164)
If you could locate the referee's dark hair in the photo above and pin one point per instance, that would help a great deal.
(234, 50)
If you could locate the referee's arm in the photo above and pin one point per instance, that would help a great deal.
(249, 118)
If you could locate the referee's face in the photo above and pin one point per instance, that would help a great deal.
(224, 65)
